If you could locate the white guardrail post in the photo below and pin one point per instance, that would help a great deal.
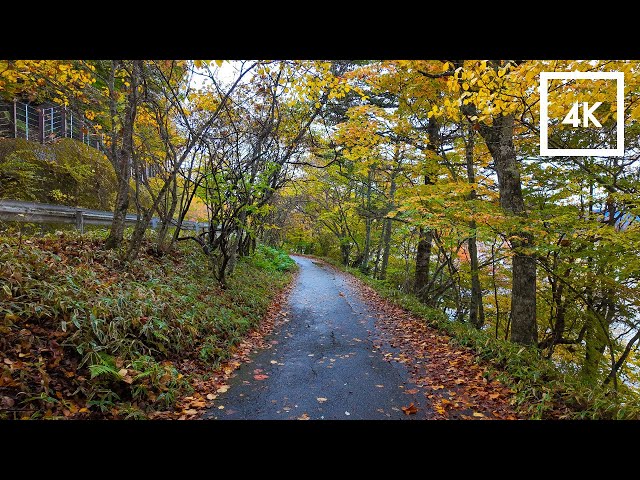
(80, 221)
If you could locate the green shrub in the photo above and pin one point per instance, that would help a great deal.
(272, 259)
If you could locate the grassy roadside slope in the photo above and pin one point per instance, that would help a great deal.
(81, 338)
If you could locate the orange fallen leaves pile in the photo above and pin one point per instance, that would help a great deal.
(453, 384)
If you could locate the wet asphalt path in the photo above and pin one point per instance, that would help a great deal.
(322, 363)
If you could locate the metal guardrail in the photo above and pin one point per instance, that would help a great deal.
(33, 212)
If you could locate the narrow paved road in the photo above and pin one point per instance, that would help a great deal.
(322, 363)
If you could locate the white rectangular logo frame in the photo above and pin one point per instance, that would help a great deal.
(544, 115)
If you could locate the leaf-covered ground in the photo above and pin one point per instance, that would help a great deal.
(454, 384)
(80, 337)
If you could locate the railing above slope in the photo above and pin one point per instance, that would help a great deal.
(45, 123)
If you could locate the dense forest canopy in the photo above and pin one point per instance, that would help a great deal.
(424, 173)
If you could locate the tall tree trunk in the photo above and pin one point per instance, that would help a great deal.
(376, 264)
(595, 344)
(388, 226)
(143, 223)
(133, 248)
(116, 232)
(168, 217)
(364, 264)
(476, 310)
(561, 317)
(598, 322)
(423, 257)
(425, 235)
(476, 313)
(499, 140)
(386, 248)
(245, 244)
(345, 251)
(121, 158)
(235, 244)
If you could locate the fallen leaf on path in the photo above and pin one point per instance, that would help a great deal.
(410, 410)
(273, 362)
(221, 407)
(191, 411)
(413, 391)
(478, 414)
(260, 377)
(321, 399)
(347, 413)
(304, 416)
(222, 388)
(380, 386)
(211, 396)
